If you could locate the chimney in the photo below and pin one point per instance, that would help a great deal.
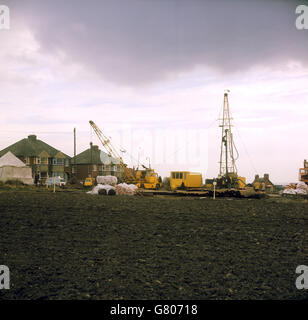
(266, 176)
(95, 148)
(257, 177)
(32, 137)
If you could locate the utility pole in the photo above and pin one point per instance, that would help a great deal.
(227, 161)
(75, 173)
(91, 166)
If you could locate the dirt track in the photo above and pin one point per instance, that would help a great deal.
(78, 246)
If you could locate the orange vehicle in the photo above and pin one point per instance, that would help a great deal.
(303, 172)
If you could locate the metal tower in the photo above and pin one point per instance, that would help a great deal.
(227, 160)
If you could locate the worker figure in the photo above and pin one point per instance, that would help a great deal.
(228, 182)
(36, 179)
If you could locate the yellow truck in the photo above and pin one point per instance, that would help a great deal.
(148, 179)
(185, 180)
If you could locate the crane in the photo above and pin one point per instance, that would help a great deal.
(147, 178)
(129, 175)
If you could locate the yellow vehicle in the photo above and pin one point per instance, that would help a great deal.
(230, 181)
(147, 179)
(303, 172)
(89, 182)
(185, 180)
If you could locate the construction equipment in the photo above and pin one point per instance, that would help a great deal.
(185, 180)
(228, 177)
(303, 173)
(89, 182)
(147, 178)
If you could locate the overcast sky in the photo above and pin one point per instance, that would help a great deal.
(152, 74)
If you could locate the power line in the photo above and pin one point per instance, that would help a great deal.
(248, 155)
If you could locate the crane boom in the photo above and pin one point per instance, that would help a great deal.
(128, 173)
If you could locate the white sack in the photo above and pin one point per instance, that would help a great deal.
(107, 180)
(96, 189)
(128, 189)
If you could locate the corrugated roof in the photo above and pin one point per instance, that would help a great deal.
(30, 147)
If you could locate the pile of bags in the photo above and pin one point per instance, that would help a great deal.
(299, 188)
(108, 185)
(107, 180)
(123, 188)
(103, 189)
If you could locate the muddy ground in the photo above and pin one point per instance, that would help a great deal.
(79, 246)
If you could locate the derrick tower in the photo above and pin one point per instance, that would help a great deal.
(227, 161)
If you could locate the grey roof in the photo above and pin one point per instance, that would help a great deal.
(30, 147)
(95, 156)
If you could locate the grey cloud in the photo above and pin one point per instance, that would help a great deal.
(144, 41)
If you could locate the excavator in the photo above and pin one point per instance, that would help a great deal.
(146, 178)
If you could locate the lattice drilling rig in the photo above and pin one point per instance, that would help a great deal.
(228, 177)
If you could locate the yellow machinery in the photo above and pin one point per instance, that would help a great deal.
(89, 182)
(303, 172)
(146, 178)
(257, 186)
(231, 181)
(185, 180)
(226, 182)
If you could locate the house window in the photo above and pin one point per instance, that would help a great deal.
(94, 167)
(44, 160)
(57, 161)
(38, 160)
